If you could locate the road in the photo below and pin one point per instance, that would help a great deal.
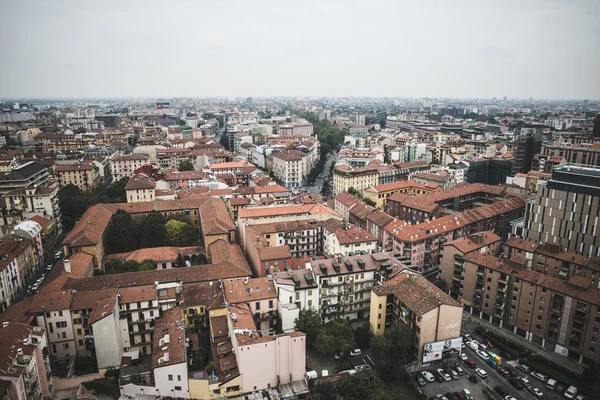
(41, 271)
(315, 190)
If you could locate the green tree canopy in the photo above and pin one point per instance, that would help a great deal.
(392, 350)
(309, 322)
(335, 337)
(186, 165)
(120, 235)
(116, 266)
(154, 233)
(174, 229)
(364, 385)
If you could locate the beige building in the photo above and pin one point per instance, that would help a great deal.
(140, 188)
(345, 177)
(83, 176)
(412, 300)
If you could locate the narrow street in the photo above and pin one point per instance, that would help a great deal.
(315, 190)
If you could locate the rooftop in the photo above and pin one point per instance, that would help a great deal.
(168, 345)
(255, 289)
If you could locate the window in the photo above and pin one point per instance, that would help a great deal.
(177, 387)
(592, 349)
(178, 378)
(77, 321)
(64, 335)
(380, 306)
(310, 292)
(297, 296)
(595, 329)
(542, 299)
(258, 305)
(61, 324)
(310, 303)
(60, 313)
(170, 377)
(593, 339)
(270, 303)
(65, 345)
(162, 292)
(379, 316)
(78, 332)
(80, 342)
(541, 309)
(538, 327)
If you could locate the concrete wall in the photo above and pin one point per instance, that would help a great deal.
(166, 387)
(435, 328)
(107, 340)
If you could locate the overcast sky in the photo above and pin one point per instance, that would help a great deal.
(459, 48)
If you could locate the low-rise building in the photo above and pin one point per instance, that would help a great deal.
(83, 176)
(346, 239)
(140, 188)
(125, 166)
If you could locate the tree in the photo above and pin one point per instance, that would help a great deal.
(362, 335)
(309, 322)
(174, 229)
(324, 390)
(186, 165)
(115, 192)
(147, 265)
(392, 350)
(189, 236)
(180, 261)
(590, 378)
(154, 233)
(198, 361)
(364, 385)
(120, 234)
(335, 337)
(73, 203)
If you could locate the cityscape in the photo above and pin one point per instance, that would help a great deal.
(192, 222)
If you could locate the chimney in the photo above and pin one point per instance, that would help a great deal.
(67, 265)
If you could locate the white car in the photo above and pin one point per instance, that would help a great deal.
(463, 357)
(539, 376)
(571, 392)
(535, 392)
(444, 374)
(483, 355)
(481, 373)
(428, 376)
(509, 397)
(473, 345)
(355, 352)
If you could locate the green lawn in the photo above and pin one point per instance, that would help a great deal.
(401, 390)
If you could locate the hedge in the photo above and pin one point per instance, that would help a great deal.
(553, 370)
(512, 348)
(100, 385)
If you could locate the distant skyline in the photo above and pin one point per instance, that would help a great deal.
(545, 49)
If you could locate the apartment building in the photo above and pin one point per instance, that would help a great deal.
(290, 167)
(84, 176)
(345, 177)
(261, 297)
(422, 242)
(380, 193)
(297, 290)
(26, 373)
(302, 238)
(125, 166)
(549, 258)
(582, 154)
(23, 203)
(29, 174)
(20, 258)
(346, 239)
(345, 284)
(490, 171)
(140, 188)
(413, 301)
(453, 253)
(343, 203)
(566, 210)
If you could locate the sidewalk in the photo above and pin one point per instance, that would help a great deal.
(470, 322)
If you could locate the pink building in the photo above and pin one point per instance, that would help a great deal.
(125, 166)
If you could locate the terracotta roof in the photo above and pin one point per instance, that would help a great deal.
(353, 234)
(140, 181)
(386, 187)
(130, 158)
(430, 177)
(521, 244)
(171, 351)
(559, 285)
(300, 278)
(75, 167)
(289, 209)
(255, 289)
(203, 294)
(379, 218)
(41, 220)
(274, 253)
(156, 254)
(417, 293)
(475, 241)
(214, 217)
(488, 261)
(133, 294)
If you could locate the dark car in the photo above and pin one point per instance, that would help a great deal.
(510, 370)
(516, 383)
(471, 363)
(560, 388)
(459, 395)
(501, 391)
(502, 371)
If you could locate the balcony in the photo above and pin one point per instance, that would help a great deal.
(479, 281)
(581, 307)
(556, 308)
(578, 317)
(502, 288)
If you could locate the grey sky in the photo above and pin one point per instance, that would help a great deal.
(458, 48)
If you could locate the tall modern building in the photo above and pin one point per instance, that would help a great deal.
(566, 210)
(527, 144)
(596, 132)
(491, 171)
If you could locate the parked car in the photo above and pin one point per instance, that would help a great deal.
(48, 267)
(524, 381)
(362, 367)
(467, 338)
(444, 374)
(509, 397)
(463, 356)
(420, 380)
(488, 343)
(467, 394)
(571, 392)
(580, 397)
(482, 347)
(483, 355)
(458, 395)
(460, 370)
(537, 393)
(453, 374)
(539, 376)
(473, 345)
(428, 376)
(502, 371)
(355, 352)
(501, 391)
(523, 367)
(560, 388)
(471, 363)
(481, 373)
(516, 383)
(510, 370)
(337, 356)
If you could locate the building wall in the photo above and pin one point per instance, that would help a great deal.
(377, 318)
(204, 389)
(107, 340)
(140, 195)
(62, 341)
(439, 324)
(166, 387)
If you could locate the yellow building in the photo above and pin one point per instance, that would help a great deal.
(140, 188)
(345, 177)
(412, 300)
(380, 193)
(84, 176)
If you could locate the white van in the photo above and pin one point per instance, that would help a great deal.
(311, 374)
(551, 384)
(571, 392)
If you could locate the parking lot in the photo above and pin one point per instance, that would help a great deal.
(319, 362)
